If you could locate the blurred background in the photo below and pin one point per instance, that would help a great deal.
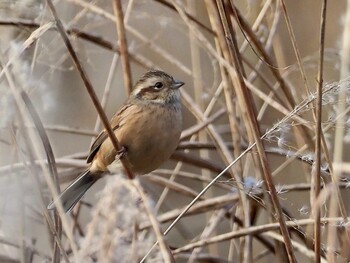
(186, 39)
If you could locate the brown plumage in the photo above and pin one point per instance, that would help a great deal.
(148, 126)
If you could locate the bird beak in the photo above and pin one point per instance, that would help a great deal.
(177, 84)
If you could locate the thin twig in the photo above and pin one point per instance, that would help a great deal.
(246, 101)
(32, 146)
(118, 11)
(252, 231)
(317, 166)
(339, 135)
(295, 46)
(164, 248)
(89, 88)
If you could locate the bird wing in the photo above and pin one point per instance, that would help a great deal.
(116, 122)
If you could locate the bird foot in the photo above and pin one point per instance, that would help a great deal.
(121, 153)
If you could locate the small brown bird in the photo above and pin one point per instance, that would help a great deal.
(148, 127)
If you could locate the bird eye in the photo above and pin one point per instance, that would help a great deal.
(158, 85)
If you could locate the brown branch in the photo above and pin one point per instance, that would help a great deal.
(317, 167)
(265, 57)
(252, 231)
(89, 88)
(164, 248)
(198, 127)
(203, 206)
(52, 167)
(140, 60)
(123, 46)
(196, 161)
(191, 17)
(247, 102)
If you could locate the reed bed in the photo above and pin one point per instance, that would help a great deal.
(261, 171)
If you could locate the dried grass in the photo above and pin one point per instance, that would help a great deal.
(261, 171)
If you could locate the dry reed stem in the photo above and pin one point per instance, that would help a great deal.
(223, 140)
(339, 135)
(209, 230)
(164, 194)
(123, 46)
(159, 50)
(295, 46)
(52, 167)
(316, 115)
(105, 95)
(164, 248)
(317, 168)
(265, 57)
(33, 37)
(89, 88)
(253, 231)
(171, 185)
(199, 207)
(286, 118)
(201, 125)
(245, 100)
(236, 136)
(106, 92)
(30, 137)
(199, 90)
(258, 21)
(296, 245)
(137, 58)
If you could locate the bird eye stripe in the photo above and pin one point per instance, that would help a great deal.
(146, 90)
(153, 89)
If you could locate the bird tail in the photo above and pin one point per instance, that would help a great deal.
(74, 192)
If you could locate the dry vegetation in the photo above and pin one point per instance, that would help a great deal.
(261, 172)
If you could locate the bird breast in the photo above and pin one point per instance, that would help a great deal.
(150, 135)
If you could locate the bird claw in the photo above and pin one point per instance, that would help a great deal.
(121, 153)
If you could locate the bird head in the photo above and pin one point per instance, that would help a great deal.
(157, 87)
